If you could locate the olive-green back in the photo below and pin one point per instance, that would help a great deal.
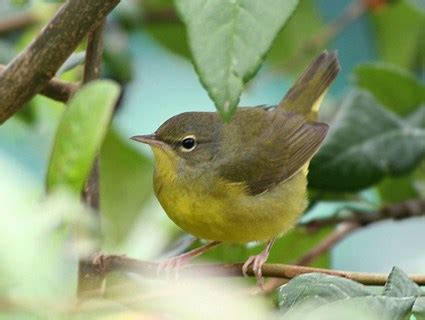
(262, 147)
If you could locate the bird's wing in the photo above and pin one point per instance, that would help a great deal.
(285, 143)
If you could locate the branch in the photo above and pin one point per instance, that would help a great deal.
(92, 68)
(403, 210)
(90, 285)
(56, 89)
(30, 71)
(114, 263)
(330, 241)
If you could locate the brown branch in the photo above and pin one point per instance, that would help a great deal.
(30, 71)
(149, 269)
(16, 21)
(403, 210)
(56, 89)
(89, 285)
(92, 68)
(329, 242)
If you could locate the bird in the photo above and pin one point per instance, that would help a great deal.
(243, 180)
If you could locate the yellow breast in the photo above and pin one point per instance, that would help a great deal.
(224, 211)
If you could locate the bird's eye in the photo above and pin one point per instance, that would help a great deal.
(188, 143)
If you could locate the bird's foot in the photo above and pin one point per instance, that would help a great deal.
(256, 262)
(174, 264)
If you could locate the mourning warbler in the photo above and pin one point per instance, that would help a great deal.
(244, 180)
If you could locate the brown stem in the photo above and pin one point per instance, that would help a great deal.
(31, 70)
(17, 21)
(92, 68)
(340, 232)
(89, 285)
(149, 269)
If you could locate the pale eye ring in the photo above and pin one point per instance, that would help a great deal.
(188, 143)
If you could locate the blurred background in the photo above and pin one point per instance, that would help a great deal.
(146, 52)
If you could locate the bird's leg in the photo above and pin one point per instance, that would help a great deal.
(257, 262)
(178, 261)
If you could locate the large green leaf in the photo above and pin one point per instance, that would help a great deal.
(124, 173)
(396, 88)
(229, 40)
(366, 143)
(80, 134)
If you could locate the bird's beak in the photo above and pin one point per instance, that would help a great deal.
(149, 139)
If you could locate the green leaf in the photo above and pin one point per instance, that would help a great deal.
(315, 289)
(381, 80)
(229, 40)
(365, 144)
(399, 285)
(124, 171)
(400, 33)
(80, 134)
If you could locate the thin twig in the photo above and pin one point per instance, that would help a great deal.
(30, 71)
(340, 232)
(90, 285)
(149, 269)
(92, 68)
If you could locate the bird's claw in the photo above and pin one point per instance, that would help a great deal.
(172, 266)
(256, 262)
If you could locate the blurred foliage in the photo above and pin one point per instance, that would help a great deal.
(124, 171)
(377, 141)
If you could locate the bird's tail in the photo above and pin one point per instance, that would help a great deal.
(307, 93)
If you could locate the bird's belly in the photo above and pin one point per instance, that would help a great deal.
(231, 215)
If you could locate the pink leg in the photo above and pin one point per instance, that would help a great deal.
(178, 261)
(257, 262)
